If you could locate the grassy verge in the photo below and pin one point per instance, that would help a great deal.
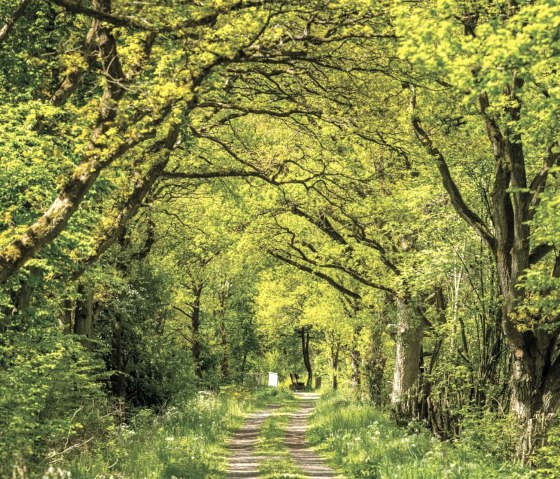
(276, 463)
(187, 441)
(363, 442)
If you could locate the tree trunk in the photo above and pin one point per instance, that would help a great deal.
(196, 347)
(355, 360)
(535, 391)
(335, 350)
(68, 314)
(224, 340)
(374, 367)
(118, 378)
(223, 298)
(535, 374)
(83, 316)
(305, 351)
(407, 360)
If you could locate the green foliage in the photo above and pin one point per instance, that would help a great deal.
(50, 396)
(547, 458)
(367, 444)
(188, 440)
(338, 214)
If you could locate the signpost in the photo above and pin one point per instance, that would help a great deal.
(273, 379)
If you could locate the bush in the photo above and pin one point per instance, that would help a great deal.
(49, 391)
(547, 458)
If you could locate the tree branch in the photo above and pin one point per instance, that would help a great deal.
(449, 184)
(335, 284)
(10, 22)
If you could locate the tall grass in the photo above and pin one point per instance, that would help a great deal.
(364, 442)
(187, 441)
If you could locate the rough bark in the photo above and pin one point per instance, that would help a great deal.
(407, 360)
(374, 367)
(54, 220)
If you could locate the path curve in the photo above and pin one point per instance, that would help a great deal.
(306, 459)
(244, 464)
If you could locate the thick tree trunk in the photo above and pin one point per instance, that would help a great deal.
(407, 360)
(535, 391)
(535, 374)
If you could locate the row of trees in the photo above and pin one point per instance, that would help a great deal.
(193, 186)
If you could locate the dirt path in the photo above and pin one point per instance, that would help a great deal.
(243, 462)
(306, 459)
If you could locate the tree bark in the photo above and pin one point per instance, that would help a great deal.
(304, 332)
(407, 360)
(355, 360)
(53, 221)
(535, 374)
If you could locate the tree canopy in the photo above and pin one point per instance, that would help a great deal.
(195, 193)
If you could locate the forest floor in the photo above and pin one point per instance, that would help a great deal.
(272, 444)
(274, 434)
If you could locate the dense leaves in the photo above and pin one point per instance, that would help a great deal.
(193, 194)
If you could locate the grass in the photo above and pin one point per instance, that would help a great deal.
(276, 463)
(186, 442)
(364, 442)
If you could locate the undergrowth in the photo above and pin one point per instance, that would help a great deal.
(187, 441)
(365, 443)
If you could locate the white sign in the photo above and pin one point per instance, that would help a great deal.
(273, 379)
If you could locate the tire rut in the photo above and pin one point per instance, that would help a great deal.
(244, 464)
(309, 462)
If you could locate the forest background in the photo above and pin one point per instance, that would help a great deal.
(193, 193)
